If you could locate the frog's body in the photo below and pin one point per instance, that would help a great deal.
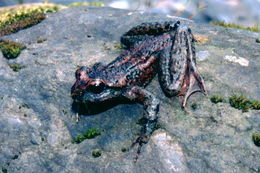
(151, 48)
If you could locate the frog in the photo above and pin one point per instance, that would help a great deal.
(166, 49)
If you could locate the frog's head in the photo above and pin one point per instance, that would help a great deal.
(90, 86)
(84, 82)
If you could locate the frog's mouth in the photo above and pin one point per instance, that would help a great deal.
(83, 92)
(106, 94)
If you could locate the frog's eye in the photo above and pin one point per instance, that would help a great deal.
(97, 89)
(175, 25)
(83, 70)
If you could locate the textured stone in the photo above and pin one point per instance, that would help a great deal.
(37, 122)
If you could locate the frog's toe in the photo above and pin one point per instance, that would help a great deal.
(140, 141)
(194, 83)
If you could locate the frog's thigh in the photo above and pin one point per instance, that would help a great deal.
(144, 97)
(173, 61)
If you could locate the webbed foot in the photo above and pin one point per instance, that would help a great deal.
(193, 82)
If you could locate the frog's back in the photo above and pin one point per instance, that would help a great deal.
(137, 71)
(138, 65)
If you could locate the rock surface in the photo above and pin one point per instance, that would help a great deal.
(37, 122)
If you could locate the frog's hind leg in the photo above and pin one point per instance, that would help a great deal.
(178, 73)
(193, 82)
(146, 31)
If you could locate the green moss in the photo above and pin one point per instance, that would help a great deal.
(239, 102)
(216, 99)
(124, 149)
(95, 4)
(243, 103)
(13, 19)
(255, 104)
(16, 67)
(11, 49)
(194, 106)
(4, 170)
(41, 40)
(257, 40)
(96, 153)
(118, 46)
(256, 139)
(24, 106)
(232, 25)
(89, 134)
(22, 23)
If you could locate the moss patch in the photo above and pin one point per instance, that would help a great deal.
(118, 46)
(13, 19)
(124, 149)
(255, 104)
(194, 106)
(4, 170)
(41, 40)
(24, 106)
(96, 153)
(95, 4)
(232, 25)
(243, 103)
(11, 49)
(256, 139)
(216, 99)
(89, 134)
(16, 67)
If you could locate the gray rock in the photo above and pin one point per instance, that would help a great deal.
(37, 122)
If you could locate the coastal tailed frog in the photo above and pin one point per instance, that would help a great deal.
(151, 48)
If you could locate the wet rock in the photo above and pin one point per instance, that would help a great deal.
(37, 120)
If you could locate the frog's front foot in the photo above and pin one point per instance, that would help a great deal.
(140, 141)
(151, 108)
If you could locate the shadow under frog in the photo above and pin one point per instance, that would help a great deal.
(165, 49)
(90, 108)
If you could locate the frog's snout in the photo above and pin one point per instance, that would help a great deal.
(78, 88)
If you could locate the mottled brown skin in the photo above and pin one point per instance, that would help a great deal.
(151, 48)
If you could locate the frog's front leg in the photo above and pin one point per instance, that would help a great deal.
(151, 108)
(178, 73)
